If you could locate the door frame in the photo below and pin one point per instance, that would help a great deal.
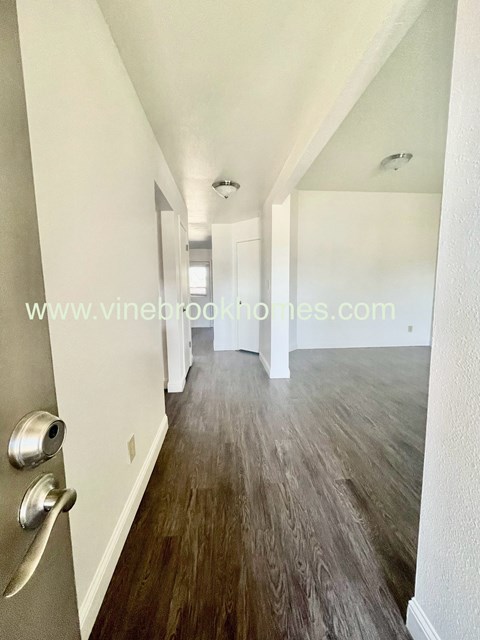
(172, 263)
(185, 278)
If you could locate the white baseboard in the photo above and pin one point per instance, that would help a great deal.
(265, 364)
(279, 374)
(274, 373)
(93, 600)
(176, 386)
(386, 345)
(418, 624)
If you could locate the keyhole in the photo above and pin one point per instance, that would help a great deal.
(53, 431)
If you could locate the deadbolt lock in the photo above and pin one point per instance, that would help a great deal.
(37, 437)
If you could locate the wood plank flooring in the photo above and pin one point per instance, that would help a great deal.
(279, 509)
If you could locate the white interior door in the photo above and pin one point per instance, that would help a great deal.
(176, 288)
(248, 293)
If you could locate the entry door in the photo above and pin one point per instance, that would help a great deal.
(45, 608)
(185, 286)
(248, 293)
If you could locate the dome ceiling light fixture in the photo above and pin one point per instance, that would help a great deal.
(396, 162)
(225, 188)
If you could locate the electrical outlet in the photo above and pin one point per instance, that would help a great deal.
(410, 328)
(131, 448)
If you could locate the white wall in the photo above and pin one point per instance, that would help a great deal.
(367, 247)
(293, 267)
(203, 255)
(265, 286)
(280, 289)
(276, 249)
(224, 241)
(95, 161)
(447, 592)
(223, 284)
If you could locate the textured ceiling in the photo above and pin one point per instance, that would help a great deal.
(228, 86)
(404, 109)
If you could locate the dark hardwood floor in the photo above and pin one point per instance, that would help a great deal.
(279, 509)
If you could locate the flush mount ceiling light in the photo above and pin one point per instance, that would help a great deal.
(225, 188)
(396, 162)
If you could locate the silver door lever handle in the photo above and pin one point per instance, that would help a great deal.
(42, 497)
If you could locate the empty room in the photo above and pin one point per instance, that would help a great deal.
(239, 320)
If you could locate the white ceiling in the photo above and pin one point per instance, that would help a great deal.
(229, 85)
(404, 109)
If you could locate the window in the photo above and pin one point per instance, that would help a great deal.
(199, 275)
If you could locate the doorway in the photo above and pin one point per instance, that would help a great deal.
(365, 227)
(200, 291)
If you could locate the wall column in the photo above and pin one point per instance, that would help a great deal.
(447, 589)
(275, 330)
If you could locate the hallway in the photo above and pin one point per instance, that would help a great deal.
(279, 508)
